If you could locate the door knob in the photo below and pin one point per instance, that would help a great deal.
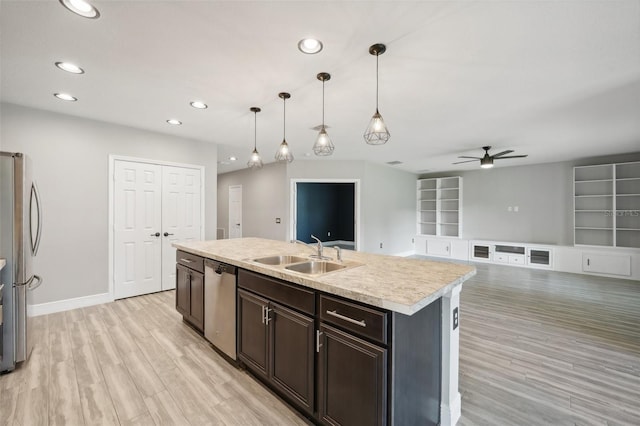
(157, 234)
(166, 234)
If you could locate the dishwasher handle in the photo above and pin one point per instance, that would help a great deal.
(220, 268)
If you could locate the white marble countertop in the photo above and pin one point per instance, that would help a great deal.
(394, 283)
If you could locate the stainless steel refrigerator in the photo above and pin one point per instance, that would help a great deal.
(20, 232)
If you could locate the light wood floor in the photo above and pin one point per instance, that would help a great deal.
(536, 347)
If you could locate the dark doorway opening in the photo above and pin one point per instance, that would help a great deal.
(326, 210)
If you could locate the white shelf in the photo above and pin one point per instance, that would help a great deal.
(445, 204)
(594, 180)
(602, 195)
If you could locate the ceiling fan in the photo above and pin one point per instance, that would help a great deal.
(486, 161)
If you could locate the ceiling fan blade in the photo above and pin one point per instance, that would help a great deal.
(468, 161)
(466, 156)
(511, 156)
(500, 154)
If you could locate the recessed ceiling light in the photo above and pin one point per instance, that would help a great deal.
(174, 122)
(69, 67)
(232, 158)
(199, 105)
(310, 45)
(65, 97)
(82, 8)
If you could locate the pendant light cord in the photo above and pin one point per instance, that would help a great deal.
(284, 121)
(255, 130)
(323, 103)
(377, 79)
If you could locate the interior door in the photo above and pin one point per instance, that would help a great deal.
(235, 211)
(137, 228)
(181, 219)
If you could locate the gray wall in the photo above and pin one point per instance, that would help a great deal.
(264, 198)
(542, 192)
(71, 164)
(388, 200)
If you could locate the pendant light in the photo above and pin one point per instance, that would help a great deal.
(255, 162)
(284, 153)
(377, 132)
(323, 145)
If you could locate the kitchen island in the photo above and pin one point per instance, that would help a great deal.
(386, 324)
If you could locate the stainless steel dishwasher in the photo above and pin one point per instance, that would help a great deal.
(220, 306)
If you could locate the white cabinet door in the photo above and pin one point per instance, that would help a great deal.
(606, 263)
(438, 247)
(137, 228)
(180, 215)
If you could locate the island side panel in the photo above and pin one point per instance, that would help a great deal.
(451, 408)
(416, 365)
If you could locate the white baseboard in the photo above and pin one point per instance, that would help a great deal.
(405, 253)
(68, 304)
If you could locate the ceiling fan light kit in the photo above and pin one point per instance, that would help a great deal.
(486, 161)
(377, 132)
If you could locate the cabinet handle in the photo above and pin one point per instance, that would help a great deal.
(186, 260)
(263, 315)
(318, 344)
(266, 315)
(361, 323)
(166, 234)
(588, 261)
(157, 234)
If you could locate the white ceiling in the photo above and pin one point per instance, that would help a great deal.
(557, 80)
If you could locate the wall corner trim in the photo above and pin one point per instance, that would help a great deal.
(68, 304)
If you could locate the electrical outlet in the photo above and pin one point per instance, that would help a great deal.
(516, 209)
(380, 245)
(413, 240)
(328, 233)
(509, 208)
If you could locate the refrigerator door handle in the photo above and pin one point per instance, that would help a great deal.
(35, 216)
(31, 286)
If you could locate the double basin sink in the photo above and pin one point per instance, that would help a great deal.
(300, 264)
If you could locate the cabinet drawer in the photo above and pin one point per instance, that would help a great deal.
(516, 259)
(190, 260)
(359, 319)
(501, 258)
(278, 291)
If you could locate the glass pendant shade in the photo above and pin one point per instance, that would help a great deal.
(323, 145)
(284, 153)
(377, 132)
(255, 162)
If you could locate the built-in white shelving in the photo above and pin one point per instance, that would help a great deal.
(607, 205)
(440, 206)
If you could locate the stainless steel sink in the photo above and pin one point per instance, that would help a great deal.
(315, 267)
(280, 260)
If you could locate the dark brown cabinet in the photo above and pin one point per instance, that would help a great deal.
(190, 288)
(352, 380)
(275, 340)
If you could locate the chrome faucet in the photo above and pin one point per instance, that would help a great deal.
(319, 246)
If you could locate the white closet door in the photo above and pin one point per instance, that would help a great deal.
(235, 211)
(181, 219)
(137, 228)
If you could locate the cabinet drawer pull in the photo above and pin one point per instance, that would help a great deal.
(182, 259)
(361, 323)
